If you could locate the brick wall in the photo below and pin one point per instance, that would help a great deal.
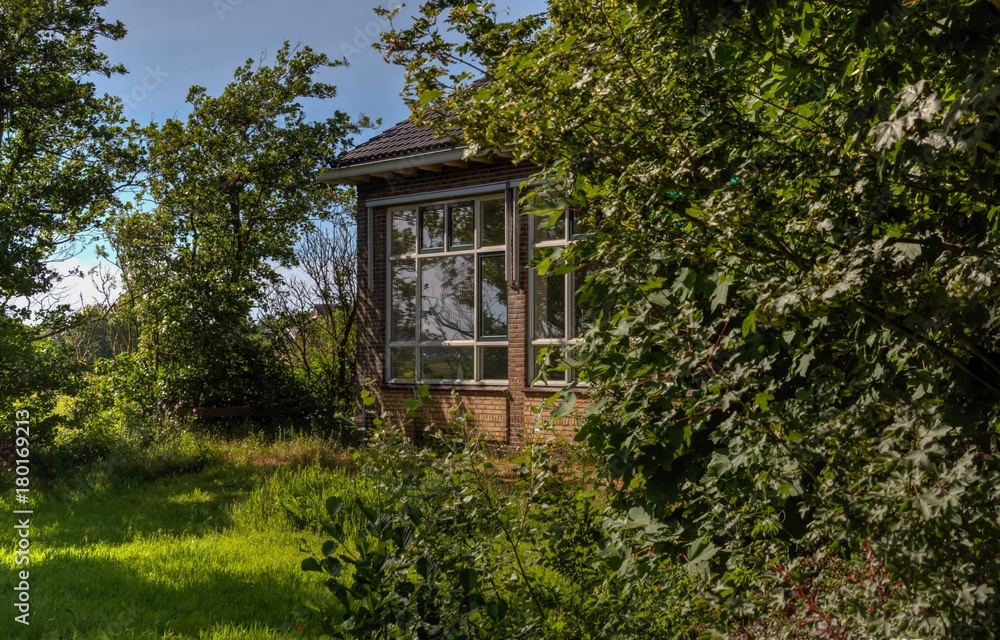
(503, 414)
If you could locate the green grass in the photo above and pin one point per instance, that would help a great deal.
(210, 554)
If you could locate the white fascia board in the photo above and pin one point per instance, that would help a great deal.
(340, 176)
(442, 194)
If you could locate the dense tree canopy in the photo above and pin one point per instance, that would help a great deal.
(795, 247)
(58, 158)
(61, 164)
(226, 196)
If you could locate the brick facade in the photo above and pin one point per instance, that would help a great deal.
(505, 414)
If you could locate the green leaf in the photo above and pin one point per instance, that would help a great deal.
(721, 293)
(565, 407)
(763, 398)
(699, 552)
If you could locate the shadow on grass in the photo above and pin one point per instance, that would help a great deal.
(89, 597)
(192, 504)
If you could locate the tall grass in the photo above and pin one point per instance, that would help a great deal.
(156, 547)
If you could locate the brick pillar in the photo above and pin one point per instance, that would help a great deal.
(519, 354)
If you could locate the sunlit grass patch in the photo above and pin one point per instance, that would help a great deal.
(213, 554)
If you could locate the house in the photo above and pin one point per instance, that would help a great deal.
(445, 295)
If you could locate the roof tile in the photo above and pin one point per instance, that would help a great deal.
(399, 140)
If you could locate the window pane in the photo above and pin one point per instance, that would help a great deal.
(492, 296)
(432, 227)
(494, 361)
(404, 300)
(584, 313)
(446, 363)
(493, 222)
(404, 231)
(463, 222)
(578, 225)
(550, 306)
(404, 363)
(551, 359)
(447, 301)
(555, 232)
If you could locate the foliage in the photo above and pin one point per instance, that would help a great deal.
(794, 214)
(59, 156)
(61, 162)
(99, 332)
(311, 321)
(233, 188)
(456, 546)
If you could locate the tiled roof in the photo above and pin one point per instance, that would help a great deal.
(403, 139)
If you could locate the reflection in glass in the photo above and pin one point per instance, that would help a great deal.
(555, 232)
(404, 300)
(447, 300)
(432, 227)
(463, 220)
(404, 231)
(492, 296)
(550, 306)
(494, 361)
(404, 363)
(492, 233)
(446, 363)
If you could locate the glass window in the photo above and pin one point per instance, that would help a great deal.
(494, 222)
(494, 361)
(447, 304)
(558, 317)
(551, 357)
(447, 363)
(550, 306)
(404, 294)
(404, 363)
(432, 228)
(584, 315)
(544, 233)
(463, 224)
(578, 225)
(404, 231)
(447, 296)
(492, 296)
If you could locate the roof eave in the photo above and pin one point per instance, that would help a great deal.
(405, 165)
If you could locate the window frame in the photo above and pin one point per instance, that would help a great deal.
(569, 339)
(476, 252)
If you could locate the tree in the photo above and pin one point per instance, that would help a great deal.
(804, 380)
(61, 162)
(232, 189)
(311, 316)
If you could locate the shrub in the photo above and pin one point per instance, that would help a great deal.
(454, 547)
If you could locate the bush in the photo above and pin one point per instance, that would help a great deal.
(455, 547)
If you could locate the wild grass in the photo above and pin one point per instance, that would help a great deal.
(146, 549)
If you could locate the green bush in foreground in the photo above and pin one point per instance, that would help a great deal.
(791, 216)
(452, 547)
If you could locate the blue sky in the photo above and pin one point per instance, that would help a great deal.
(173, 45)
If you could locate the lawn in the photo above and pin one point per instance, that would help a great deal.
(208, 554)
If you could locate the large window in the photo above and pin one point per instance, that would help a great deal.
(448, 292)
(557, 321)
